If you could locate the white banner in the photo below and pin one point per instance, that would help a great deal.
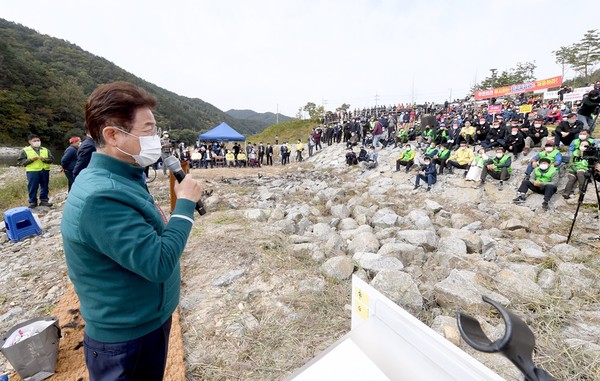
(550, 95)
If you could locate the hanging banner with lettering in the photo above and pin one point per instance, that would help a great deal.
(520, 88)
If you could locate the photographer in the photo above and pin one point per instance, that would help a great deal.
(578, 167)
(589, 105)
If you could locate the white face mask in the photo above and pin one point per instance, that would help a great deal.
(537, 125)
(482, 122)
(543, 167)
(514, 132)
(582, 137)
(549, 149)
(499, 155)
(36, 144)
(150, 149)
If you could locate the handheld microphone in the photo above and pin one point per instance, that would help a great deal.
(174, 167)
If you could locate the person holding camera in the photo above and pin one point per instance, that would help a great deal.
(589, 105)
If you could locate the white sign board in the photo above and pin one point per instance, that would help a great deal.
(387, 343)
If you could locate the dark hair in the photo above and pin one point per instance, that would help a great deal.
(114, 104)
(32, 136)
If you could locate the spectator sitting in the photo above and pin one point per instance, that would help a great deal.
(442, 156)
(196, 158)
(371, 161)
(578, 168)
(460, 159)
(543, 180)
(498, 167)
(406, 158)
(494, 137)
(427, 173)
(351, 158)
(567, 130)
(551, 152)
(242, 159)
(353, 141)
(467, 133)
(537, 134)
(514, 142)
(554, 116)
(474, 172)
(362, 155)
(230, 159)
(432, 150)
(584, 135)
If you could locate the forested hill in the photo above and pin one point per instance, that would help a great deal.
(44, 82)
(267, 117)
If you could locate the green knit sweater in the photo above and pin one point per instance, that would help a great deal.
(122, 258)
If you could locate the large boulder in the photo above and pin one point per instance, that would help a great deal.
(400, 288)
(460, 290)
(339, 268)
(520, 289)
(407, 254)
(473, 242)
(384, 218)
(376, 263)
(424, 238)
(364, 242)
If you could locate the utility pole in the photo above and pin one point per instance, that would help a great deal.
(494, 71)
(277, 115)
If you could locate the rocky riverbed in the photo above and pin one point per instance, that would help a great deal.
(266, 272)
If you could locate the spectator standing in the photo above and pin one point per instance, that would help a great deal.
(36, 160)
(84, 155)
(69, 159)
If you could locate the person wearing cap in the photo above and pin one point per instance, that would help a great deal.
(584, 135)
(481, 129)
(498, 167)
(543, 180)
(567, 130)
(426, 173)
(578, 167)
(550, 151)
(36, 160)
(69, 159)
(536, 135)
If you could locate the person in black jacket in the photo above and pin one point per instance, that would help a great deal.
(514, 142)
(69, 159)
(536, 135)
(269, 153)
(84, 154)
(428, 173)
(481, 129)
(589, 104)
(567, 130)
(494, 137)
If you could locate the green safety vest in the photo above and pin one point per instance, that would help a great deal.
(479, 161)
(577, 142)
(444, 154)
(501, 162)
(545, 177)
(37, 165)
(578, 163)
(428, 133)
(407, 155)
(550, 155)
(429, 151)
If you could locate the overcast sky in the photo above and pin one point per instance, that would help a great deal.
(268, 55)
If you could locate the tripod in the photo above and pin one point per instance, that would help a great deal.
(589, 176)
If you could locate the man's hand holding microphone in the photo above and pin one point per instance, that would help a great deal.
(186, 187)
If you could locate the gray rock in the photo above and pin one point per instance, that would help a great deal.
(533, 254)
(473, 226)
(347, 224)
(284, 226)
(406, 253)
(312, 285)
(584, 325)
(557, 238)
(340, 211)
(420, 219)
(339, 268)
(322, 230)
(461, 291)
(576, 279)
(376, 263)
(520, 289)
(452, 246)
(448, 328)
(433, 206)
(400, 288)
(566, 252)
(523, 244)
(384, 218)
(277, 214)
(460, 220)
(424, 238)
(547, 279)
(228, 278)
(334, 246)
(302, 250)
(514, 224)
(473, 242)
(304, 226)
(364, 242)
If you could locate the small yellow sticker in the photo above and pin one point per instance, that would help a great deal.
(361, 310)
(362, 296)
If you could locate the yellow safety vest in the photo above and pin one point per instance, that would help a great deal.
(37, 165)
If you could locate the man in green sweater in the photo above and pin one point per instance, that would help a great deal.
(122, 254)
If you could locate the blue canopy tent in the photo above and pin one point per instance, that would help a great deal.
(222, 133)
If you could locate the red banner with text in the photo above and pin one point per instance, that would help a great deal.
(520, 88)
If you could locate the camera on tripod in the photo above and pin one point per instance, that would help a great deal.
(592, 155)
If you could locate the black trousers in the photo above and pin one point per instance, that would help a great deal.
(143, 358)
(502, 175)
(547, 190)
(407, 163)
